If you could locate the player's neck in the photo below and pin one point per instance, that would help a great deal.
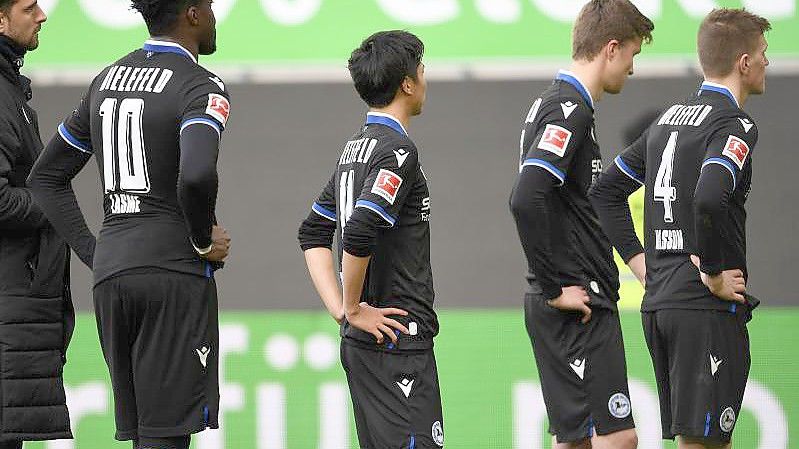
(734, 85)
(192, 47)
(589, 73)
(397, 111)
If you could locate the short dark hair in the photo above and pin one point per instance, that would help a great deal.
(5, 4)
(601, 21)
(381, 62)
(161, 15)
(725, 35)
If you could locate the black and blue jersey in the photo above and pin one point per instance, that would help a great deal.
(378, 201)
(695, 164)
(558, 228)
(131, 119)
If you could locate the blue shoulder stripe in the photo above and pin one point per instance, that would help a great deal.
(376, 208)
(324, 212)
(533, 162)
(72, 140)
(627, 170)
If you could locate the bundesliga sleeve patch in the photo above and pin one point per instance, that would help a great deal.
(218, 108)
(737, 150)
(387, 185)
(555, 140)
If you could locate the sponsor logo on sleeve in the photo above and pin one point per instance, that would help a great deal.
(555, 140)
(746, 124)
(218, 108)
(218, 81)
(387, 185)
(737, 150)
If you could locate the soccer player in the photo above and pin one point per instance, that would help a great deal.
(695, 163)
(570, 305)
(377, 199)
(36, 314)
(153, 120)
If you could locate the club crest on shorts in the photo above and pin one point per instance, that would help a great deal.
(619, 406)
(438, 433)
(727, 419)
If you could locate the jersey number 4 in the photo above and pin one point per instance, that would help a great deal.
(124, 161)
(663, 191)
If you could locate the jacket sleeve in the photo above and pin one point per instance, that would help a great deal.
(610, 198)
(727, 154)
(18, 210)
(318, 229)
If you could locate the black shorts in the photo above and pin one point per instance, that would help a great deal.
(701, 361)
(159, 332)
(582, 370)
(395, 397)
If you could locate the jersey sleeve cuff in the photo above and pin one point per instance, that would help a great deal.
(551, 291)
(711, 269)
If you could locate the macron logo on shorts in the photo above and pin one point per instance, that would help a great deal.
(578, 366)
(203, 354)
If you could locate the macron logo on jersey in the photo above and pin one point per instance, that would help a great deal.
(218, 81)
(746, 124)
(387, 185)
(401, 155)
(218, 108)
(568, 107)
(555, 140)
(737, 150)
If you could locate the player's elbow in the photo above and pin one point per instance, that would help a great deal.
(198, 178)
(359, 238)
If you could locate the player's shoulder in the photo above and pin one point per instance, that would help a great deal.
(196, 76)
(734, 120)
(559, 103)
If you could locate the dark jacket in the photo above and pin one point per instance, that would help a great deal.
(36, 314)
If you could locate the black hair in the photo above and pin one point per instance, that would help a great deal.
(5, 4)
(161, 15)
(380, 64)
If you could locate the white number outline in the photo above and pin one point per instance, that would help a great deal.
(124, 153)
(663, 191)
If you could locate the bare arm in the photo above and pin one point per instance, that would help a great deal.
(323, 274)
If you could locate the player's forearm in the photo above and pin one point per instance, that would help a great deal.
(610, 198)
(323, 274)
(637, 265)
(529, 208)
(51, 185)
(198, 181)
(711, 201)
(353, 274)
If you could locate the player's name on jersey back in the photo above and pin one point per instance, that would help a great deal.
(136, 79)
(358, 150)
(681, 115)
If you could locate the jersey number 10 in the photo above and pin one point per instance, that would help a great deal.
(124, 161)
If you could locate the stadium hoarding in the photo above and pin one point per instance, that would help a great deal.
(282, 385)
(281, 32)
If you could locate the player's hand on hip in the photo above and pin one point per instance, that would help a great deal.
(220, 246)
(729, 285)
(376, 321)
(573, 299)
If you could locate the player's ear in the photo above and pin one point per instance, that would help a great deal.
(612, 48)
(3, 21)
(743, 63)
(408, 85)
(193, 15)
